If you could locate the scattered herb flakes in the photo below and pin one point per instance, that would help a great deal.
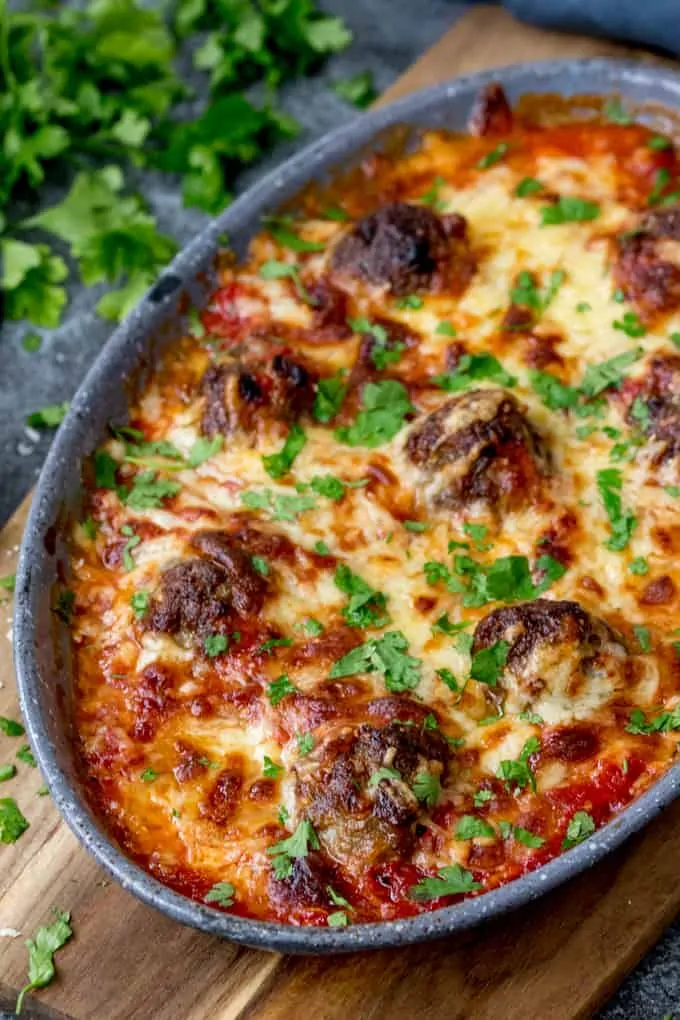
(531, 717)
(432, 196)
(321, 548)
(260, 565)
(25, 755)
(470, 369)
(282, 233)
(313, 627)
(41, 950)
(65, 605)
(448, 678)
(608, 373)
(568, 209)
(222, 894)
(583, 306)
(305, 743)
(381, 774)
(148, 491)
(48, 417)
(338, 919)
(215, 644)
(359, 90)
(7, 772)
(32, 342)
(298, 845)
(528, 186)
(105, 468)
(277, 465)
(334, 212)
(366, 607)
(631, 325)
(275, 270)
(387, 655)
(278, 689)
(445, 626)
(416, 527)
(639, 566)
(662, 178)
(411, 302)
(527, 294)
(8, 582)
(268, 646)
(472, 827)
(662, 723)
(518, 773)
(614, 111)
(330, 394)
(482, 797)
(270, 770)
(580, 827)
(132, 542)
(487, 664)
(12, 822)
(520, 835)
(10, 727)
(495, 156)
(385, 406)
(140, 601)
(203, 449)
(446, 329)
(659, 143)
(450, 881)
(427, 788)
(643, 638)
(328, 486)
(623, 522)
(149, 775)
(555, 394)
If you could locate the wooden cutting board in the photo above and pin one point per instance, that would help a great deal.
(561, 957)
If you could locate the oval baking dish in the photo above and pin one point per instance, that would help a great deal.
(41, 638)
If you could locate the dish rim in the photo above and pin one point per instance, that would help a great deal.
(532, 77)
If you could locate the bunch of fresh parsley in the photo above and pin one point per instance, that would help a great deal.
(90, 95)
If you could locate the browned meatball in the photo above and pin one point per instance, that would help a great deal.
(306, 886)
(656, 411)
(265, 382)
(359, 815)
(406, 248)
(556, 651)
(647, 267)
(200, 596)
(478, 448)
(491, 113)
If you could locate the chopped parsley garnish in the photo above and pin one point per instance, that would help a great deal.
(518, 773)
(132, 542)
(531, 717)
(287, 850)
(675, 339)
(149, 775)
(527, 294)
(470, 369)
(446, 329)
(279, 464)
(568, 209)
(662, 177)
(416, 527)
(337, 919)
(360, 91)
(659, 142)
(608, 373)
(450, 881)
(582, 307)
(268, 646)
(275, 270)
(472, 827)
(431, 197)
(555, 394)
(507, 579)
(643, 638)
(639, 566)
(7, 772)
(410, 301)
(493, 157)
(382, 773)
(305, 743)
(12, 822)
(482, 797)
(445, 626)
(328, 486)
(614, 112)
(282, 507)
(25, 755)
(203, 449)
(148, 491)
(387, 655)
(528, 186)
(105, 468)
(260, 565)
(662, 723)
(321, 548)
(41, 949)
(447, 677)
(623, 522)
(313, 627)
(477, 533)
(215, 644)
(278, 689)
(270, 770)
(48, 417)
(282, 233)
(487, 664)
(8, 582)
(139, 601)
(66, 601)
(427, 788)
(283, 815)
(580, 827)
(330, 393)
(366, 607)
(32, 342)
(385, 406)
(520, 835)
(630, 325)
(222, 893)
(10, 727)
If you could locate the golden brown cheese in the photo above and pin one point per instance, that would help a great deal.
(381, 578)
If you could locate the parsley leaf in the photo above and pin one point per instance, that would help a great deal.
(608, 373)
(487, 663)
(203, 449)
(580, 827)
(270, 770)
(520, 835)
(215, 644)
(383, 773)
(330, 394)
(31, 283)
(282, 233)
(278, 689)
(388, 655)
(279, 464)
(630, 325)
(471, 827)
(7, 772)
(48, 417)
(222, 893)
(470, 369)
(25, 755)
(568, 209)
(493, 157)
(287, 850)
(427, 788)
(450, 881)
(275, 270)
(662, 723)
(518, 773)
(41, 950)
(10, 727)
(148, 491)
(358, 90)
(8, 583)
(385, 406)
(528, 186)
(139, 602)
(12, 822)
(527, 294)
(623, 522)
(367, 607)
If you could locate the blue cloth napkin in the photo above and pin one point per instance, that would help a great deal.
(648, 22)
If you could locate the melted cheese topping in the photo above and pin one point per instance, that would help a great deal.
(175, 739)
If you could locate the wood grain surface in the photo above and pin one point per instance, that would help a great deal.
(559, 958)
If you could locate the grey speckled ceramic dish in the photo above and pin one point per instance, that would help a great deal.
(41, 641)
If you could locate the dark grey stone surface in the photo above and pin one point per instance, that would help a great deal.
(389, 34)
